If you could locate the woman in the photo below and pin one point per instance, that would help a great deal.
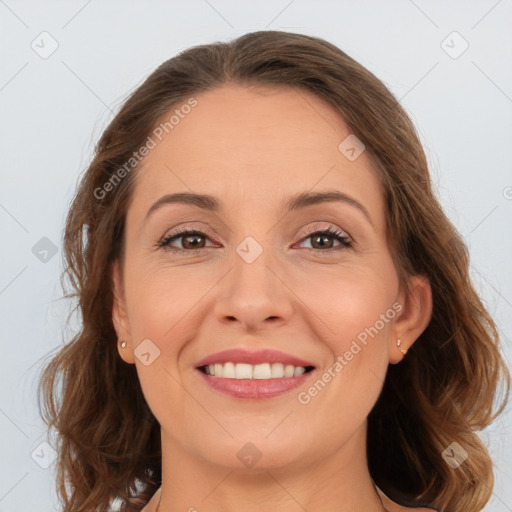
(276, 311)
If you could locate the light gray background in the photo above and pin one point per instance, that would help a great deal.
(53, 109)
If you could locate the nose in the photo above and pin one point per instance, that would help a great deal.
(254, 296)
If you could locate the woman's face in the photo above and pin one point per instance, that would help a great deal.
(258, 275)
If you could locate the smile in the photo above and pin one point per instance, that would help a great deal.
(264, 371)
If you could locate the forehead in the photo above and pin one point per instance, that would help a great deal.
(255, 143)
(256, 124)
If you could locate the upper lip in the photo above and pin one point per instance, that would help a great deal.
(238, 355)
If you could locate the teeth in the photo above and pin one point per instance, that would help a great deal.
(242, 371)
(257, 371)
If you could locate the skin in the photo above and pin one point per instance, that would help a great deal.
(252, 148)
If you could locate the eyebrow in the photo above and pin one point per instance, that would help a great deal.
(295, 202)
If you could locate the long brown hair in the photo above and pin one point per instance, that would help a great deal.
(444, 390)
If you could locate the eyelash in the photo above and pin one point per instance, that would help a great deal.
(340, 236)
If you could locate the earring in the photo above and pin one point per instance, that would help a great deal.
(123, 344)
(398, 343)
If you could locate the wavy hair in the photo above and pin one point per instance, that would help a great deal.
(444, 391)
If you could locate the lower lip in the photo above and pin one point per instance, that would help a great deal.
(255, 388)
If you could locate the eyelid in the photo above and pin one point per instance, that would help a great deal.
(190, 226)
(318, 227)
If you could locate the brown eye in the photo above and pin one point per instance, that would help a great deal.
(190, 240)
(193, 241)
(321, 241)
(325, 239)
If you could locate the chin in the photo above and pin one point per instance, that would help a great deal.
(250, 452)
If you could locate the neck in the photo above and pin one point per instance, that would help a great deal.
(339, 481)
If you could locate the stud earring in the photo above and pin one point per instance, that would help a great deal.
(398, 343)
(123, 344)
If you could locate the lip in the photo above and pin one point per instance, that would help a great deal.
(238, 355)
(255, 389)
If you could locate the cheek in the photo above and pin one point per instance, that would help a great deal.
(348, 303)
(352, 313)
(336, 304)
(161, 300)
(167, 306)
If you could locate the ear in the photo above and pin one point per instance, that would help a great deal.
(120, 314)
(413, 317)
